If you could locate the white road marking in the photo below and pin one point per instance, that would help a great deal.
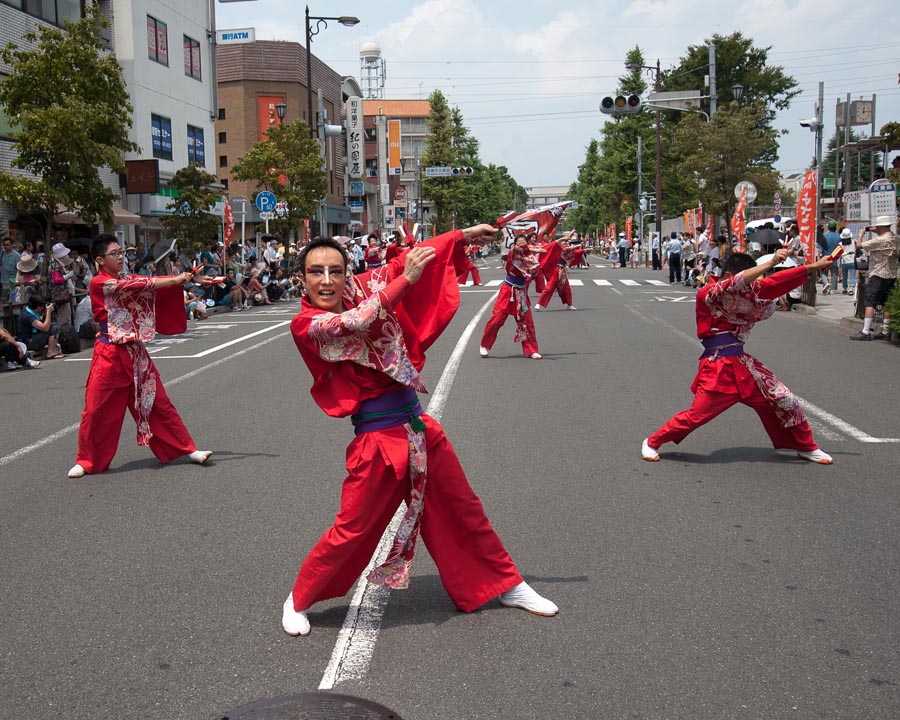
(494, 283)
(629, 282)
(603, 283)
(845, 428)
(356, 641)
(21, 452)
(576, 283)
(657, 282)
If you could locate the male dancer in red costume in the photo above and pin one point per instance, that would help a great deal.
(558, 280)
(726, 312)
(130, 310)
(363, 339)
(522, 264)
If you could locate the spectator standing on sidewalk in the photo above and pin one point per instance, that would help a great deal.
(832, 240)
(623, 250)
(883, 251)
(9, 258)
(848, 262)
(673, 254)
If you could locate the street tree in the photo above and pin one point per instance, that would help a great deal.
(192, 222)
(585, 191)
(738, 61)
(287, 163)
(441, 151)
(715, 156)
(71, 114)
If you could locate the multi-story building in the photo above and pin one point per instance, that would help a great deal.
(394, 191)
(256, 78)
(546, 195)
(173, 95)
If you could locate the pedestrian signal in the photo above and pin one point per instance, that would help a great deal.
(457, 171)
(621, 104)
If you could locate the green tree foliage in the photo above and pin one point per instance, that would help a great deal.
(287, 163)
(490, 193)
(193, 223)
(585, 190)
(68, 101)
(716, 156)
(441, 151)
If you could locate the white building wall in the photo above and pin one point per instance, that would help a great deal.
(167, 91)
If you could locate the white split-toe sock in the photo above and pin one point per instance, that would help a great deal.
(649, 453)
(200, 456)
(524, 597)
(293, 622)
(76, 471)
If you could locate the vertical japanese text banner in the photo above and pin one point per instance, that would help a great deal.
(354, 122)
(806, 215)
(738, 222)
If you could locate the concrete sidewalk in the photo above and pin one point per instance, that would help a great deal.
(837, 308)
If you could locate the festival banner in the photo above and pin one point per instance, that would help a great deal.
(628, 229)
(806, 215)
(228, 228)
(738, 222)
(542, 220)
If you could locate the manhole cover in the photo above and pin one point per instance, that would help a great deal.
(312, 706)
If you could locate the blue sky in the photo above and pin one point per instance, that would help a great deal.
(528, 75)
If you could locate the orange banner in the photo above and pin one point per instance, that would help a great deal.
(628, 231)
(738, 222)
(806, 215)
(394, 165)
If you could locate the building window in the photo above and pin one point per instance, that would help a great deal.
(161, 129)
(223, 161)
(157, 40)
(51, 11)
(224, 182)
(196, 146)
(223, 138)
(192, 57)
(221, 113)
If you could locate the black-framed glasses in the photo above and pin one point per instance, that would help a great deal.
(114, 253)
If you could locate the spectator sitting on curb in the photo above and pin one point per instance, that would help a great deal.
(256, 290)
(35, 329)
(26, 279)
(194, 304)
(15, 353)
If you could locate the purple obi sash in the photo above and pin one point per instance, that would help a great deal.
(103, 336)
(376, 264)
(516, 281)
(721, 345)
(389, 410)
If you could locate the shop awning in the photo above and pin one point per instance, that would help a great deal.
(120, 214)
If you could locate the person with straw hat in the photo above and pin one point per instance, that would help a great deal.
(883, 250)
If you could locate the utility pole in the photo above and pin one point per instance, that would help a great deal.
(713, 97)
(639, 193)
(656, 86)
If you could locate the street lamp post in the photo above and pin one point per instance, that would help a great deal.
(321, 24)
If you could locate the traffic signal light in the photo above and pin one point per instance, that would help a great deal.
(457, 171)
(621, 104)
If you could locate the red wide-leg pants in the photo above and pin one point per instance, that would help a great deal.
(503, 308)
(463, 276)
(110, 390)
(719, 385)
(473, 563)
(553, 285)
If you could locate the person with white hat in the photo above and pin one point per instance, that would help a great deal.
(623, 250)
(60, 271)
(848, 262)
(883, 251)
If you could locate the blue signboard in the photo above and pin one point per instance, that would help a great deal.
(266, 201)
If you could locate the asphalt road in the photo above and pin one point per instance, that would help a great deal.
(726, 581)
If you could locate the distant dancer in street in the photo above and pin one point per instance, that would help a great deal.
(130, 310)
(365, 349)
(726, 312)
(522, 265)
(559, 258)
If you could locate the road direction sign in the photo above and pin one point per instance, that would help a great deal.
(266, 201)
(438, 172)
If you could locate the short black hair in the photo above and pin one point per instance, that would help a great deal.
(101, 243)
(36, 302)
(321, 242)
(738, 262)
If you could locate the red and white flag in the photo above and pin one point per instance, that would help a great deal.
(542, 220)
